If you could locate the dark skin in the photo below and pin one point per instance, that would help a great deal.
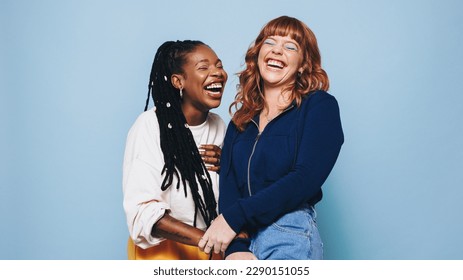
(173, 229)
(211, 156)
(202, 68)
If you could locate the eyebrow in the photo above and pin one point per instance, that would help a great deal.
(202, 60)
(284, 40)
(207, 60)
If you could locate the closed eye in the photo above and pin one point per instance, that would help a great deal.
(291, 46)
(270, 42)
(203, 67)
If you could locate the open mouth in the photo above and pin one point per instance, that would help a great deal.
(277, 64)
(214, 88)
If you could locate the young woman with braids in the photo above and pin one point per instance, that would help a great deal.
(170, 186)
(279, 148)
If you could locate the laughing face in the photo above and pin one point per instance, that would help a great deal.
(279, 60)
(203, 80)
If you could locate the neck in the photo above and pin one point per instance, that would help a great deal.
(194, 117)
(275, 99)
(272, 93)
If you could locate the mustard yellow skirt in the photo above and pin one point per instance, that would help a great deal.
(167, 250)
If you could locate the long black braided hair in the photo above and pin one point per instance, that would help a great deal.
(181, 155)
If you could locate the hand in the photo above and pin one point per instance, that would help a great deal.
(217, 237)
(211, 156)
(241, 256)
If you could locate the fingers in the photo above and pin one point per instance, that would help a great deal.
(223, 248)
(216, 248)
(208, 248)
(210, 150)
(210, 147)
(208, 245)
(211, 160)
(211, 156)
(212, 163)
(217, 237)
(213, 168)
(202, 243)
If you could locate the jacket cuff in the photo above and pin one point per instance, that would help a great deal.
(235, 217)
(238, 245)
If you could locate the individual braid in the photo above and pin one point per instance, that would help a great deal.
(181, 155)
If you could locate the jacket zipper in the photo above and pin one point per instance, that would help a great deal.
(254, 148)
(249, 163)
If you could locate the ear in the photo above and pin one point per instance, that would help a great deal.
(177, 81)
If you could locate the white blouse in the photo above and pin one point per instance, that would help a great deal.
(144, 201)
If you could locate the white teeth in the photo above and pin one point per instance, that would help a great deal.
(214, 85)
(275, 63)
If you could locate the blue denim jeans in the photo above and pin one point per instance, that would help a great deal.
(294, 236)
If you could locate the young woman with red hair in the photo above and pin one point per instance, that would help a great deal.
(282, 143)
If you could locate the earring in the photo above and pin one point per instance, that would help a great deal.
(299, 74)
(181, 93)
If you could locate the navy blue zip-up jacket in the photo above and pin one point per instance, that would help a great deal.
(265, 175)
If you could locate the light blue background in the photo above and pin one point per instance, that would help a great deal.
(73, 78)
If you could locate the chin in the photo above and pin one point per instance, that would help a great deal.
(213, 105)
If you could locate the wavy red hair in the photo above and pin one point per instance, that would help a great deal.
(249, 100)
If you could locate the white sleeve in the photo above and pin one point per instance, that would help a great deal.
(144, 201)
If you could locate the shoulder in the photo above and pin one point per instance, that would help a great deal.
(318, 98)
(315, 97)
(143, 138)
(232, 131)
(146, 124)
(147, 116)
(213, 117)
(216, 121)
(319, 103)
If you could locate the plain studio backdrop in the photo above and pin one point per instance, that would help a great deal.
(73, 78)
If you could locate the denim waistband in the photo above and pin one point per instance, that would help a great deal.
(308, 207)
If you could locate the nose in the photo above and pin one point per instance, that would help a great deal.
(219, 72)
(277, 49)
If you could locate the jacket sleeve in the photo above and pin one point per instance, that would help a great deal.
(229, 192)
(318, 150)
